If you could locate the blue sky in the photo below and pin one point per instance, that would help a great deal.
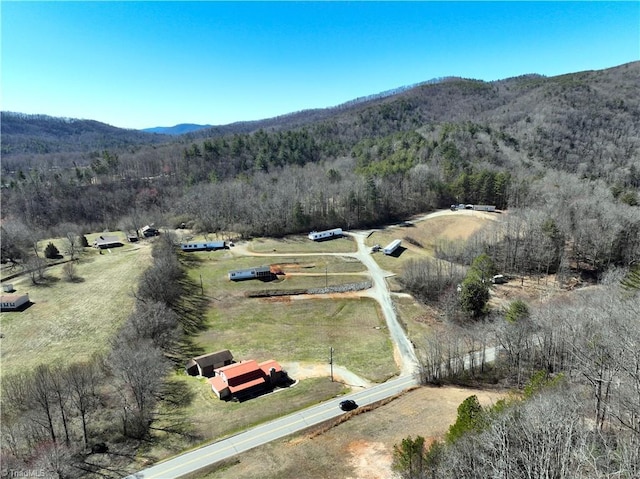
(144, 64)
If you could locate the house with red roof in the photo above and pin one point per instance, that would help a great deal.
(246, 378)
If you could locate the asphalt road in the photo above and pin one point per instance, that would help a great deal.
(296, 422)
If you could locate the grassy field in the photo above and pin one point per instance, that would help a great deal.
(360, 447)
(416, 318)
(302, 244)
(301, 272)
(304, 330)
(70, 321)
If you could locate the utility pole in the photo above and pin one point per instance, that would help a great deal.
(331, 362)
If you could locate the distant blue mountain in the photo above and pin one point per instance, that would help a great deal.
(180, 129)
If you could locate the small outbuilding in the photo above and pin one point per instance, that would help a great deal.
(13, 302)
(205, 364)
(490, 208)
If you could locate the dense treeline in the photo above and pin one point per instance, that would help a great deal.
(578, 416)
(53, 417)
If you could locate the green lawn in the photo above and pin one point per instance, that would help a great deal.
(301, 272)
(302, 244)
(303, 330)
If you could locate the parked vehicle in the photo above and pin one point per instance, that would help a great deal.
(499, 279)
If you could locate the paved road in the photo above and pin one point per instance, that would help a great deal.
(298, 421)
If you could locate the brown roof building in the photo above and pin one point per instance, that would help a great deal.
(205, 364)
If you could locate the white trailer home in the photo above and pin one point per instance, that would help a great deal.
(203, 246)
(250, 273)
(484, 207)
(391, 247)
(321, 235)
(13, 302)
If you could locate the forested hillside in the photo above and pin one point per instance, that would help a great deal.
(567, 144)
(41, 134)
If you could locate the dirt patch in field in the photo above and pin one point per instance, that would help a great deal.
(370, 460)
(277, 299)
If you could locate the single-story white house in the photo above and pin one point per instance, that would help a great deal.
(104, 242)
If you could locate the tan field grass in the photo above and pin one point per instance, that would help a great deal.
(70, 321)
(421, 237)
(417, 319)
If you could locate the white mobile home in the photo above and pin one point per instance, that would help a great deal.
(321, 235)
(391, 247)
(250, 273)
(13, 302)
(484, 207)
(203, 246)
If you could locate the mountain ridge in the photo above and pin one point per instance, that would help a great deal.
(504, 103)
